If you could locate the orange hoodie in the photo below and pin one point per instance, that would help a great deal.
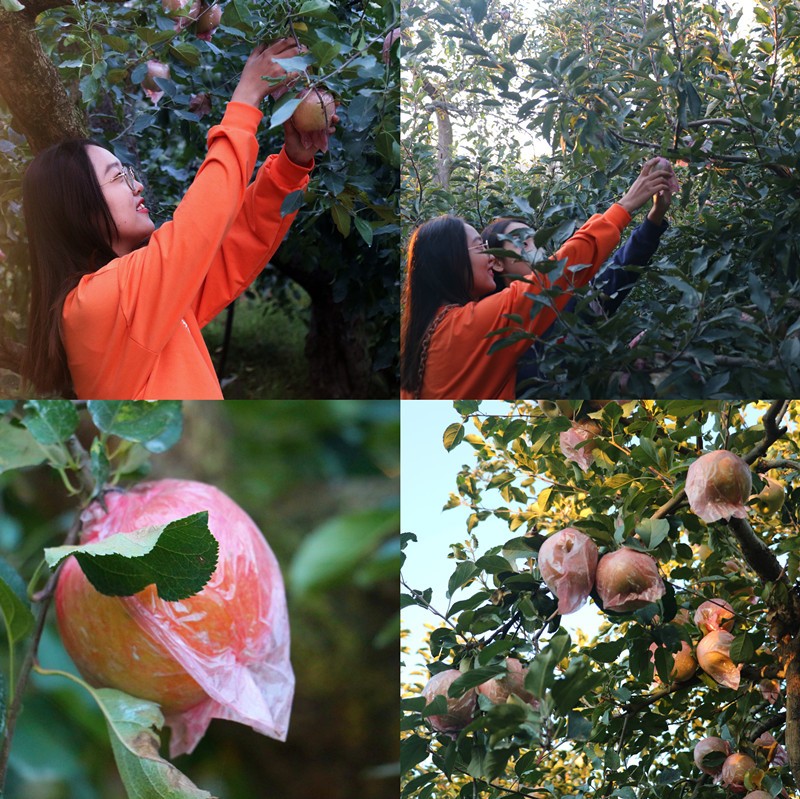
(459, 365)
(131, 329)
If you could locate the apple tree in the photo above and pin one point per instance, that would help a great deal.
(677, 523)
(548, 113)
(147, 80)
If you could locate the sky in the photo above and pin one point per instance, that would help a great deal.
(428, 478)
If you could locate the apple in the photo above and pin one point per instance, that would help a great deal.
(718, 485)
(315, 111)
(627, 580)
(706, 747)
(714, 657)
(223, 652)
(155, 69)
(568, 562)
(460, 710)
(208, 22)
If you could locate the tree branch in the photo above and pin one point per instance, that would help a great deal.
(31, 86)
(757, 554)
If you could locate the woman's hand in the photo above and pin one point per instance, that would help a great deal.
(252, 89)
(645, 186)
(300, 148)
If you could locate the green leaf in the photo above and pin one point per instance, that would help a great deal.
(144, 773)
(133, 725)
(332, 551)
(178, 557)
(453, 436)
(100, 466)
(742, 648)
(156, 425)
(292, 202)
(51, 421)
(608, 651)
(14, 603)
(12, 5)
(413, 750)
(473, 678)
(516, 43)
(652, 531)
(283, 110)
(364, 230)
(466, 407)
(18, 447)
(463, 573)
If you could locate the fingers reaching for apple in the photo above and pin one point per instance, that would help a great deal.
(262, 75)
(308, 129)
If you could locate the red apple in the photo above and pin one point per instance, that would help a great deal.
(208, 21)
(628, 580)
(315, 111)
(568, 562)
(223, 652)
(460, 711)
(155, 69)
(706, 747)
(718, 485)
(734, 769)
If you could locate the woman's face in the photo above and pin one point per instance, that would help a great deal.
(519, 266)
(482, 264)
(125, 204)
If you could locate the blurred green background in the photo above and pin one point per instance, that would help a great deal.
(321, 479)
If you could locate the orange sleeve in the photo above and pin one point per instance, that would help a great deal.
(254, 237)
(159, 282)
(459, 365)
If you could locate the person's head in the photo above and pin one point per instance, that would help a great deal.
(500, 234)
(80, 213)
(446, 265)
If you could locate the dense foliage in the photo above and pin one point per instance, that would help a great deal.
(601, 87)
(342, 250)
(607, 718)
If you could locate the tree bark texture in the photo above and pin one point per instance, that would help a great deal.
(444, 129)
(31, 87)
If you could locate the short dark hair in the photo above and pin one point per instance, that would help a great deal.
(491, 235)
(438, 272)
(70, 231)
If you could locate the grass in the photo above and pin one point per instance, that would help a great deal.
(265, 358)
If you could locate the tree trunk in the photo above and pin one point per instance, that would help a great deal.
(30, 84)
(444, 128)
(338, 361)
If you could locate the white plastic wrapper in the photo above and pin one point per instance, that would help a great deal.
(222, 653)
(570, 439)
(714, 614)
(706, 747)
(714, 657)
(628, 580)
(568, 562)
(460, 710)
(718, 485)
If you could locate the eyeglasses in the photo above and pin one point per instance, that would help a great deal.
(127, 174)
(484, 245)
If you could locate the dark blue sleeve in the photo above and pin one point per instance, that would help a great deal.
(616, 281)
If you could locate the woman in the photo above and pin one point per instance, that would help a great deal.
(612, 284)
(450, 307)
(116, 308)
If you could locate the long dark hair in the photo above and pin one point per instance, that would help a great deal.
(491, 235)
(438, 273)
(70, 230)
